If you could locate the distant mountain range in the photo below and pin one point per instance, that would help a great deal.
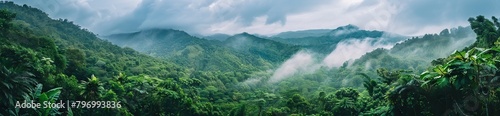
(325, 41)
(241, 51)
(251, 52)
(302, 33)
(418, 52)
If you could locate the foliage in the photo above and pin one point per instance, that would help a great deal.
(242, 52)
(73, 64)
(49, 96)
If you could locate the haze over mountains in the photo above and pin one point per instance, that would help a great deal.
(346, 70)
(311, 50)
(168, 42)
(241, 51)
(219, 16)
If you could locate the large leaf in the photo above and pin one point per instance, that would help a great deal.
(38, 91)
(469, 53)
(443, 83)
(440, 70)
(458, 55)
(53, 94)
(43, 97)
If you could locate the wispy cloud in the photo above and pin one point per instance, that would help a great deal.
(304, 62)
(409, 17)
(352, 49)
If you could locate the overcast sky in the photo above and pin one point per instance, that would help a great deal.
(266, 17)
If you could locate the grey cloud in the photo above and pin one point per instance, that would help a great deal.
(189, 15)
(412, 16)
(199, 16)
(62, 9)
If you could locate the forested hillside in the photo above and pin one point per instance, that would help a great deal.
(59, 60)
(302, 34)
(415, 53)
(242, 52)
(325, 42)
(454, 72)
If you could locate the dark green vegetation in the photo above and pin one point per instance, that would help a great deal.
(56, 53)
(242, 52)
(42, 59)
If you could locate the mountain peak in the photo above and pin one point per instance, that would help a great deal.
(161, 30)
(344, 30)
(244, 34)
(151, 31)
(348, 27)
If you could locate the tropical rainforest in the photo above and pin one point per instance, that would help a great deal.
(169, 72)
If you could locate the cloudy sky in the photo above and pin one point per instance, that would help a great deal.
(266, 17)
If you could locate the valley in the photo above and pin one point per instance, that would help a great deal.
(163, 71)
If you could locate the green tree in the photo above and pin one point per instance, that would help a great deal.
(5, 20)
(239, 111)
(76, 63)
(345, 102)
(486, 31)
(297, 104)
(92, 89)
(15, 84)
(347, 93)
(260, 104)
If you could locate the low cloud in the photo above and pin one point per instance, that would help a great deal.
(352, 49)
(304, 62)
(251, 81)
(301, 62)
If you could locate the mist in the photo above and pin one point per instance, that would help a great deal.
(443, 48)
(352, 49)
(304, 62)
(301, 62)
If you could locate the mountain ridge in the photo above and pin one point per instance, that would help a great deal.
(198, 53)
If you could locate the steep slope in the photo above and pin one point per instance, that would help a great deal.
(156, 42)
(302, 33)
(202, 54)
(267, 49)
(44, 60)
(327, 42)
(417, 52)
(218, 36)
(94, 56)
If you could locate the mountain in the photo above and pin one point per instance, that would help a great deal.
(156, 42)
(46, 60)
(269, 50)
(302, 33)
(218, 36)
(93, 55)
(327, 42)
(418, 52)
(239, 52)
(342, 30)
(49, 60)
